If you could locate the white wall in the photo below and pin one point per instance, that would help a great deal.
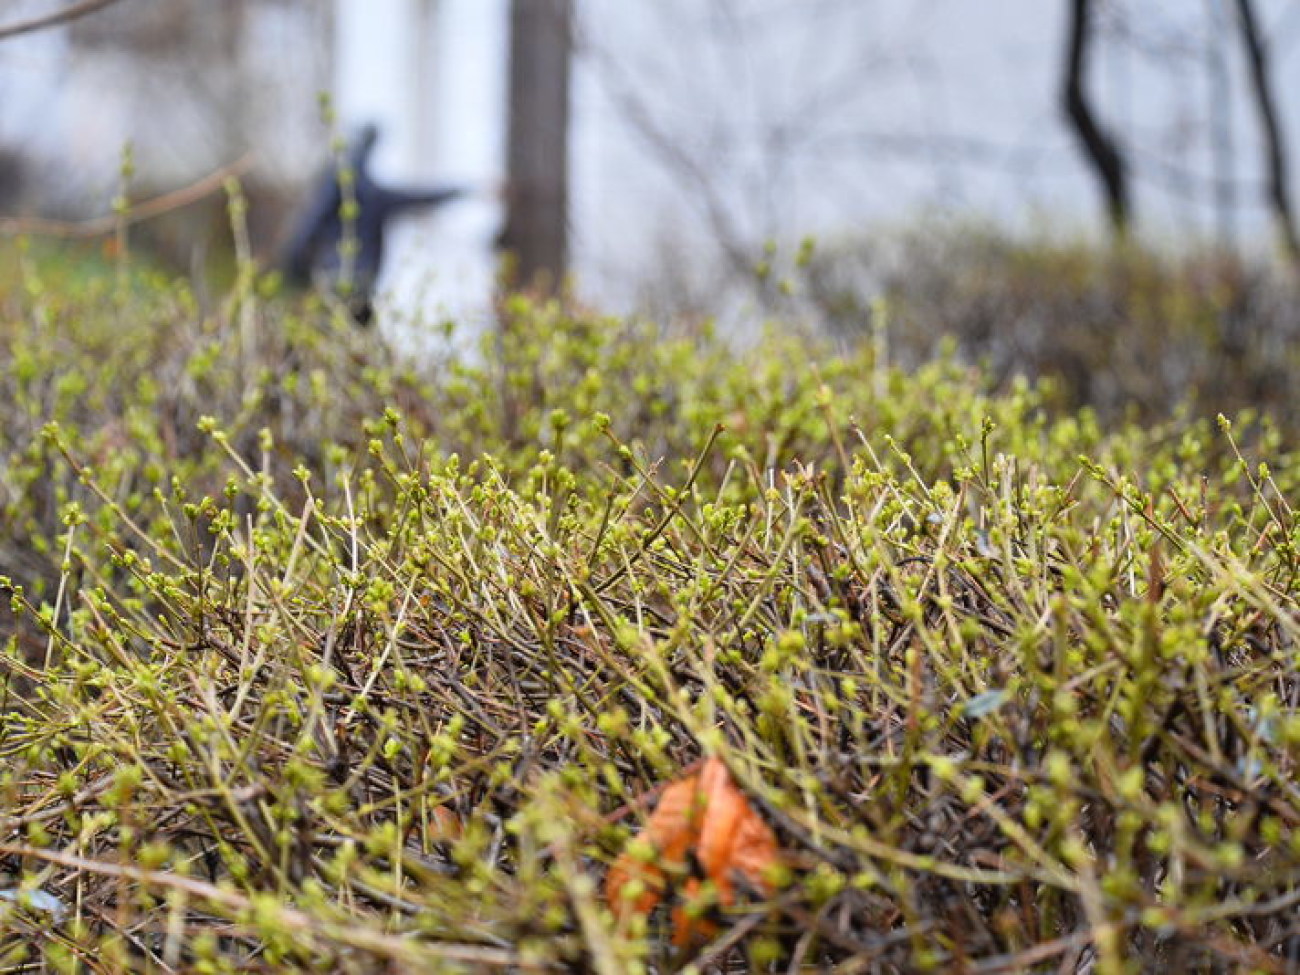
(432, 74)
(185, 110)
(801, 117)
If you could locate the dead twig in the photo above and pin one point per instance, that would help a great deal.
(156, 206)
(33, 24)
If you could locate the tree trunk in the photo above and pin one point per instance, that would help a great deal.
(1279, 193)
(537, 151)
(1101, 151)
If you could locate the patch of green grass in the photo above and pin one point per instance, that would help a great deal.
(320, 659)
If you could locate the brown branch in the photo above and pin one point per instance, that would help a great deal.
(145, 210)
(1098, 146)
(1257, 58)
(54, 19)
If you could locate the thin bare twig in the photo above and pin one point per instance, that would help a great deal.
(156, 206)
(54, 19)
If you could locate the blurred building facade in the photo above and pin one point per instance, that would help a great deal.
(702, 128)
(190, 85)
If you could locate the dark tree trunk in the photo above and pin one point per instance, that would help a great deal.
(1279, 194)
(541, 38)
(1101, 151)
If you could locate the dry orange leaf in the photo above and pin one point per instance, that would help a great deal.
(446, 824)
(706, 814)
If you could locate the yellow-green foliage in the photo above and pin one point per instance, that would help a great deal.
(320, 659)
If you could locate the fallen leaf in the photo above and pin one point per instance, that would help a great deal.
(446, 825)
(671, 831)
(734, 840)
(705, 814)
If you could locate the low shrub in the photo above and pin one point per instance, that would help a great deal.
(321, 659)
(1131, 333)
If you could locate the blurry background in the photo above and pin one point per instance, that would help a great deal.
(710, 140)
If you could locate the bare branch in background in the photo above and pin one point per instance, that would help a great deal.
(156, 206)
(1098, 146)
(66, 15)
(1279, 194)
(705, 169)
(1222, 149)
(672, 154)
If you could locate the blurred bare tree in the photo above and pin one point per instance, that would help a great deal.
(537, 163)
(767, 121)
(735, 110)
(1275, 150)
(1098, 146)
(56, 18)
